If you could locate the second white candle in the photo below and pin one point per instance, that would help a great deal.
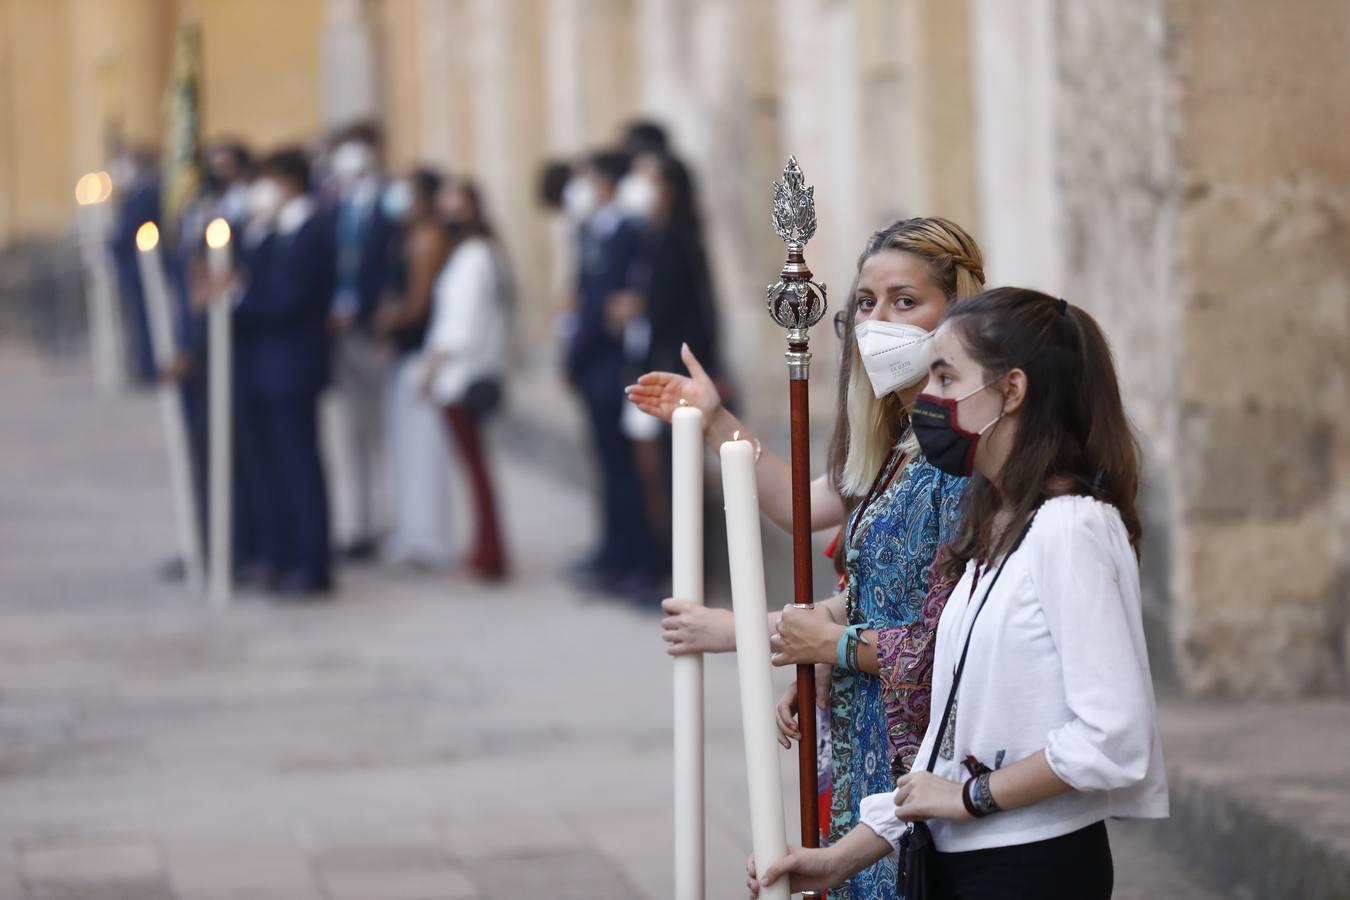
(768, 831)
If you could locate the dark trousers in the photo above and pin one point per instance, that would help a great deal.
(1076, 866)
(283, 494)
(487, 558)
(626, 543)
(136, 327)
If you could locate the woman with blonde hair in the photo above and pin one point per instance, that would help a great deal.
(874, 638)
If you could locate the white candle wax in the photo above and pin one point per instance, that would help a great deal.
(171, 410)
(107, 352)
(687, 584)
(221, 417)
(767, 829)
(218, 260)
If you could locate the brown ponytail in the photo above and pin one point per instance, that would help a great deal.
(1073, 436)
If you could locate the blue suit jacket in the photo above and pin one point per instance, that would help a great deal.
(282, 319)
(608, 263)
(370, 251)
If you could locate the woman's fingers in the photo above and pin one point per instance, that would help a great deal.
(692, 364)
(787, 730)
(779, 869)
(673, 606)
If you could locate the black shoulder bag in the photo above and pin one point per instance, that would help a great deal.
(916, 846)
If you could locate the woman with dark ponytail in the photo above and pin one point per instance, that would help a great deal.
(1044, 723)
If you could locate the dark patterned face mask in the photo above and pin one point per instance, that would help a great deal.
(946, 445)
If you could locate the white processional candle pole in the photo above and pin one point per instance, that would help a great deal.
(106, 350)
(687, 584)
(221, 453)
(170, 405)
(768, 831)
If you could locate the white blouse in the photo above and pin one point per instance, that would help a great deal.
(1057, 662)
(467, 321)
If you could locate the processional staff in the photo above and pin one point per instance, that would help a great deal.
(797, 302)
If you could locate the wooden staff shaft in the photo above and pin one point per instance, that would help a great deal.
(803, 596)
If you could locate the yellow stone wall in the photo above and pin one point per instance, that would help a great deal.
(36, 187)
(74, 71)
(261, 62)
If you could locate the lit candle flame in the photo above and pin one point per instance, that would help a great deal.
(147, 237)
(217, 233)
(92, 188)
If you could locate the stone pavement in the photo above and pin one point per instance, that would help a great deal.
(423, 738)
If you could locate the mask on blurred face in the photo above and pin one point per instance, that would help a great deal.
(579, 199)
(351, 160)
(396, 201)
(637, 196)
(264, 199)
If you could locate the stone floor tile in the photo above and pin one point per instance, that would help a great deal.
(391, 873)
(91, 860)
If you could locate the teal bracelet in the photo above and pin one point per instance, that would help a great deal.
(846, 649)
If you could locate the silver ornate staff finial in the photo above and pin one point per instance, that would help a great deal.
(795, 302)
(794, 206)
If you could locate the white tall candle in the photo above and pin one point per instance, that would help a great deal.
(221, 425)
(171, 408)
(767, 829)
(107, 347)
(687, 584)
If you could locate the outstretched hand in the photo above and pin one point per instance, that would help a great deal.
(659, 393)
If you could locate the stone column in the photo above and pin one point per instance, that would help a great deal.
(443, 80)
(1263, 234)
(350, 86)
(1173, 169)
(507, 103)
(1014, 70)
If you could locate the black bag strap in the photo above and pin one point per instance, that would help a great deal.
(961, 666)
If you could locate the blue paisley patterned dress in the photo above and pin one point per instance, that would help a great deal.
(889, 549)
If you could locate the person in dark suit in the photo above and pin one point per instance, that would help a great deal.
(139, 188)
(610, 247)
(282, 366)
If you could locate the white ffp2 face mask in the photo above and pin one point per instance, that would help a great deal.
(895, 355)
(637, 196)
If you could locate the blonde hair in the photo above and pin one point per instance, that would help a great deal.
(869, 428)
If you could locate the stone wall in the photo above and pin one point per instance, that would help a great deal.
(1264, 389)
(1118, 190)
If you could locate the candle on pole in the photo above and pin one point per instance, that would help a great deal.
(171, 409)
(687, 584)
(796, 302)
(768, 834)
(107, 351)
(220, 454)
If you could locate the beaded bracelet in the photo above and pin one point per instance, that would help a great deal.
(978, 798)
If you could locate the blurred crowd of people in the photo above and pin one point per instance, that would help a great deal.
(384, 304)
(637, 287)
(390, 293)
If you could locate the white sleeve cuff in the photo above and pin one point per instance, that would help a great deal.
(877, 812)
